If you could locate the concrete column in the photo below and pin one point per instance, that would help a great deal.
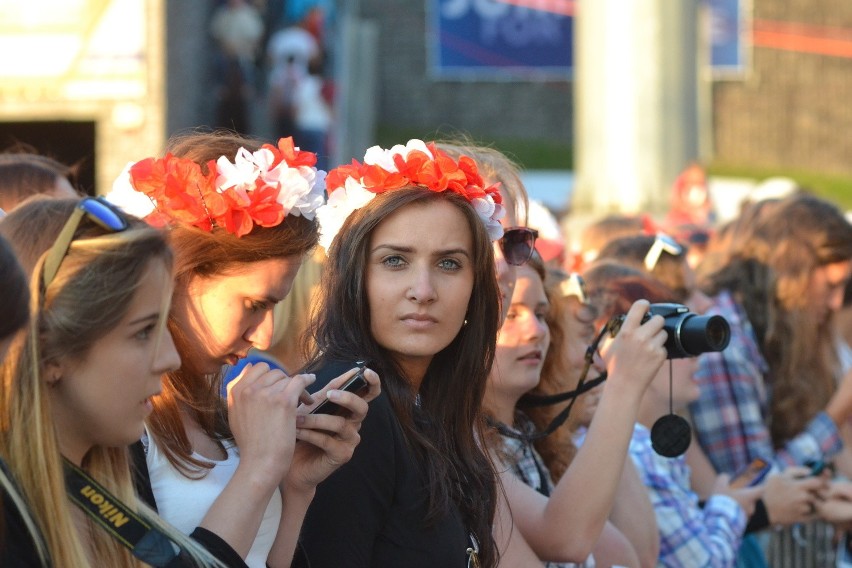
(356, 73)
(636, 103)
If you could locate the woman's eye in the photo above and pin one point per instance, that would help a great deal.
(393, 261)
(259, 306)
(449, 264)
(145, 332)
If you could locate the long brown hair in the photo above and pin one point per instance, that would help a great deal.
(557, 376)
(442, 430)
(201, 253)
(769, 276)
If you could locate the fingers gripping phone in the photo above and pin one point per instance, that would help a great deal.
(357, 384)
(752, 474)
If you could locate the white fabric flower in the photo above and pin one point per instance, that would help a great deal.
(300, 189)
(377, 156)
(341, 203)
(490, 213)
(239, 174)
(126, 198)
(308, 204)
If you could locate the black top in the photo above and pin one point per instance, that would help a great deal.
(17, 549)
(371, 511)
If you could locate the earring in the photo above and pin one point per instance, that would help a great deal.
(465, 323)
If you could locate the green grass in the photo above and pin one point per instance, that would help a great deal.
(834, 187)
(533, 154)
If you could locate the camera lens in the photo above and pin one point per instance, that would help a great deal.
(700, 334)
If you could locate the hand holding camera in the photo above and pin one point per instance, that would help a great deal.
(689, 334)
(682, 334)
(636, 351)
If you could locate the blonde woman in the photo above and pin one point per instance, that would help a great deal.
(77, 386)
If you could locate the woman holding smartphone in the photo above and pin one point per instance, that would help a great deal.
(240, 216)
(409, 288)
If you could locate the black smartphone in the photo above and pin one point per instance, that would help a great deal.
(356, 384)
(752, 474)
(817, 467)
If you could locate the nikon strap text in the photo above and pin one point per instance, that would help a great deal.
(145, 541)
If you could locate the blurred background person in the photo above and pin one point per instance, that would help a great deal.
(24, 174)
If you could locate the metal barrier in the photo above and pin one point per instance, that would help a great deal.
(802, 546)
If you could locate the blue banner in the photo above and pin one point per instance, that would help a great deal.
(501, 39)
(727, 45)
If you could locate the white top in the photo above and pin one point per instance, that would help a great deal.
(183, 502)
(311, 110)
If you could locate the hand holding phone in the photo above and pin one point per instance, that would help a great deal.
(357, 384)
(753, 474)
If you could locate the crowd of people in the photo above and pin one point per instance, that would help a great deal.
(264, 51)
(511, 406)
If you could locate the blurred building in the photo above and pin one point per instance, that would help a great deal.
(489, 68)
(102, 82)
(789, 106)
(106, 81)
(83, 81)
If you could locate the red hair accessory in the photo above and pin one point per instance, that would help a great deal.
(352, 186)
(256, 189)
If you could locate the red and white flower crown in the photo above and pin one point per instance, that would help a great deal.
(417, 163)
(256, 189)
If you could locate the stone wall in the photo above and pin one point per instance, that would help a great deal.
(792, 109)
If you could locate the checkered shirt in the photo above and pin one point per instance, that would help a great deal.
(689, 535)
(730, 417)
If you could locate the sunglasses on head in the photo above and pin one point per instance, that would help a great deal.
(662, 243)
(96, 210)
(518, 244)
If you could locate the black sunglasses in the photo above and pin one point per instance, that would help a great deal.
(94, 209)
(518, 244)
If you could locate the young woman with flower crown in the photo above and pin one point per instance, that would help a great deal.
(239, 230)
(409, 288)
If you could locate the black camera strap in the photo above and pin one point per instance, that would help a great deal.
(145, 541)
(531, 400)
(537, 400)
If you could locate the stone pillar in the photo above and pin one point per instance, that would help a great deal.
(636, 103)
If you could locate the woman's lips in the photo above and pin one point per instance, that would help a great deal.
(419, 321)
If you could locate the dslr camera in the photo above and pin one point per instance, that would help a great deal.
(688, 333)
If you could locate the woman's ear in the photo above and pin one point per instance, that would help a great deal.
(53, 371)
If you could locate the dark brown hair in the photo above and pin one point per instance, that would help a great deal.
(442, 430)
(15, 296)
(202, 253)
(23, 175)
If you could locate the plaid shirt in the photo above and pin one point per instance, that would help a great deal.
(689, 535)
(527, 464)
(731, 414)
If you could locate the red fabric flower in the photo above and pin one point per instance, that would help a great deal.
(183, 194)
